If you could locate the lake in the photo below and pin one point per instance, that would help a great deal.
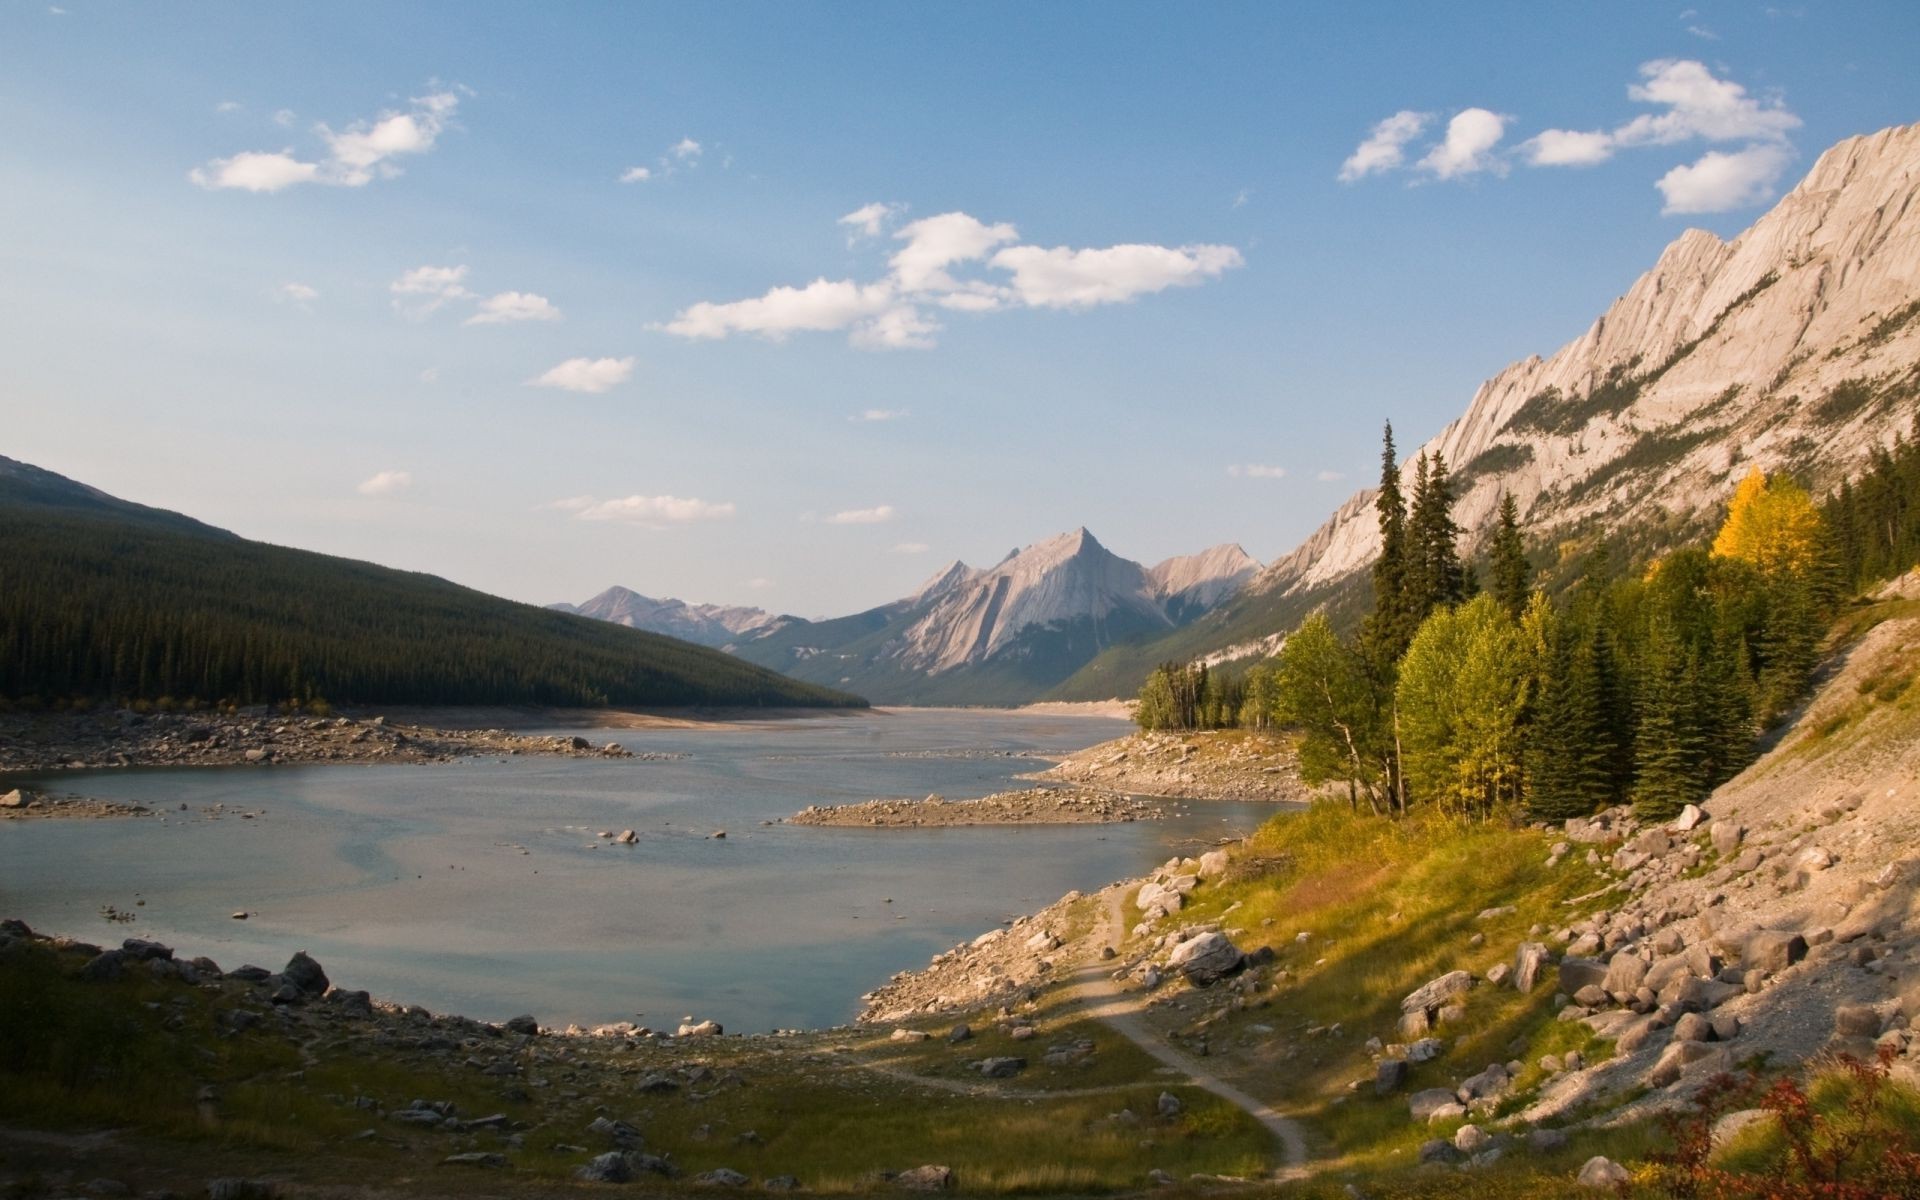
(480, 887)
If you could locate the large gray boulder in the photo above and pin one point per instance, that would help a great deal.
(1206, 958)
(1528, 961)
(1422, 1105)
(1773, 950)
(1626, 970)
(1577, 972)
(1603, 1174)
(1431, 995)
(305, 974)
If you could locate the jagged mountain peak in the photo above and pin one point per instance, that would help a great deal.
(705, 624)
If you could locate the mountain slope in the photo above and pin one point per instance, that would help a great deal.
(103, 599)
(1795, 346)
(1003, 634)
(702, 624)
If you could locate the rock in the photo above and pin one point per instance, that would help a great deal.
(1528, 961)
(1692, 1027)
(960, 1033)
(1490, 1084)
(16, 798)
(1856, 1020)
(257, 754)
(1577, 972)
(1447, 1112)
(1389, 1076)
(1814, 858)
(924, 1179)
(1436, 1150)
(1414, 1024)
(720, 1177)
(1001, 1067)
(626, 837)
(305, 974)
(1422, 1105)
(1498, 975)
(241, 1189)
(1206, 958)
(1447, 1014)
(1726, 1027)
(475, 1158)
(524, 1023)
(1436, 992)
(1425, 1050)
(1773, 950)
(1726, 837)
(1212, 865)
(104, 967)
(1546, 1141)
(1626, 971)
(1689, 819)
(1602, 1173)
(1733, 1124)
(1168, 1105)
(1471, 1139)
(780, 1183)
(618, 1132)
(1592, 996)
(911, 1035)
(611, 1167)
(700, 1029)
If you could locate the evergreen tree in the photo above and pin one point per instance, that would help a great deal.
(1668, 749)
(1390, 626)
(1727, 703)
(1434, 577)
(1512, 575)
(1571, 746)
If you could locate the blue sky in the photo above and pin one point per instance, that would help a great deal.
(366, 278)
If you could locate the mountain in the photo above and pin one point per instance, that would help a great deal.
(1795, 346)
(101, 598)
(703, 624)
(1003, 634)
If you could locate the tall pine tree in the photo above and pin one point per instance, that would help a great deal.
(1668, 748)
(1571, 747)
(1391, 625)
(1512, 574)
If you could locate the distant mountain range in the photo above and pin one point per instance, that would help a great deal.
(1004, 634)
(1794, 346)
(105, 599)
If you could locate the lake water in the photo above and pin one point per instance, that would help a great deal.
(479, 886)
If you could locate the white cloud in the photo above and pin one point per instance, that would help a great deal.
(1468, 146)
(590, 375)
(635, 175)
(820, 306)
(863, 516)
(255, 171)
(686, 148)
(284, 117)
(936, 243)
(1385, 147)
(879, 414)
(910, 548)
(430, 375)
(1330, 476)
(870, 219)
(759, 583)
(296, 293)
(895, 311)
(1720, 181)
(356, 155)
(386, 483)
(1256, 471)
(504, 307)
(1569, 148)
(228, 106)
(1241, 197)
(424, 290)
(1065, 278)
(651, 512)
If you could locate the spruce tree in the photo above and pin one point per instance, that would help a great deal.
(1511, 574)
(1389, 627)
(1570, 748)
(1668, 749)
(1434, 576)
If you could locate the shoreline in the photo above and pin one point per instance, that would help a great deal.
(1032, 806)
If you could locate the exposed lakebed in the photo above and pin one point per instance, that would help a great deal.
(479, 886)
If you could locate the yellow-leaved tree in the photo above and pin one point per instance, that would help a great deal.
(1772, 524)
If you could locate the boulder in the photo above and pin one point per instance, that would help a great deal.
(1471, 1139)
(1773, 950)
(1425, 1050)
(1206, 958)
(305, 974)
(1490, 1084)
(1422, 1105)
(1389, 1076)
(1690, 818)
(524, 1023)
(1726, 837)
(1437, 992)
(1168, 1105)
(1436, 1150)
(924, 1179)
(1577, 972)
(1213, 864)
(1415, 1025)
(1528, 961)
(700, 1029)
(141, 950)
(1856, 1020)
(1546, 1141)
(1001, 1067)
(1732, 1125)
(16, 799)
(1626, 971)
(104, 967)
(1692, 1027)
(1603, 1174)
(611, 1167)
(720, 1177)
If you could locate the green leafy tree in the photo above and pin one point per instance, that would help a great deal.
(1330, 693)
(1461, 699)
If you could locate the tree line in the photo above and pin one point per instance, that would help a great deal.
(1646, 686)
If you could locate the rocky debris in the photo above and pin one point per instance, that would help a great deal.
(924, 1179)
(123, 738)
(1603, 1174)
(1033, 806)
(720, 1177)
(700, 1029)
(1222, 765)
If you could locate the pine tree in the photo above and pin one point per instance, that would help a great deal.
(1668, 749)
(1512, 574)
(1434, 576)
(1571, 747)
(1389, 627)
(1727, 703)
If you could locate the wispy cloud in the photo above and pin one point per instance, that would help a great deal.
(422, 291)
(879, 414)
(589, 375)
(636, 175)
(879, 515)
(1330, 476)
(1256, 471)
(940, 265)
(651, 512)
(298, 294)
(869, 220)
(910, 548)
(686, 148)
(386, 483)
(505, 307)
(355, 156)
(1385, 147)
(228, 106)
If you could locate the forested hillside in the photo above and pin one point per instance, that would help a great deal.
(105, 600)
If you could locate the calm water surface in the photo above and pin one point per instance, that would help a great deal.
(479, 886)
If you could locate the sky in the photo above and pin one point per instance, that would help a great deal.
(790, 304)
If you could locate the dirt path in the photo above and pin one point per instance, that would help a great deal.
(1105, 1001)
(986, 1091)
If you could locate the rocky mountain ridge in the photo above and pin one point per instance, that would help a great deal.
(703, 624)
(1795, 347)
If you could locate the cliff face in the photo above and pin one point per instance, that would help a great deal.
(1794, 346)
